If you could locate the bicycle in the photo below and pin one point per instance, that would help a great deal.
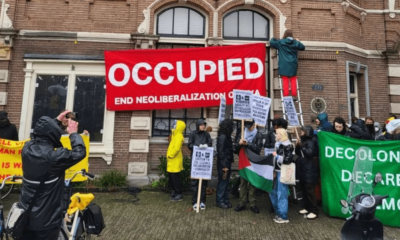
(13, 178)
(73, 227)
(6, 190)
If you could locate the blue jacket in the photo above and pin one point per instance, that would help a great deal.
(325, 124)
(288, 48)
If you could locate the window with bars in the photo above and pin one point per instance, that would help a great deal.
(353, 95)
(181, 22)
(245, 25)
(52, 96)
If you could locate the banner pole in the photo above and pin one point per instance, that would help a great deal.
(199, 194)
(242, 137)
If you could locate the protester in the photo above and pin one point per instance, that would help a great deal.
(340, 127)
(307, 171)
(359, 122)
(7, 130)
(175, 160)
(43, 149)
(285, 126)
(199, 138)
(386, 134)
(253, 141)
(323, 123)
(279, 194)
(224, 162)
(287, 63)
(270, 138)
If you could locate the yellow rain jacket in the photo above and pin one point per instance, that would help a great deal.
(174, 153)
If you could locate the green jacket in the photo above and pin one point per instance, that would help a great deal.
(288, 47)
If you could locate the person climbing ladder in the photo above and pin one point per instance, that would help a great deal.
(287, 64)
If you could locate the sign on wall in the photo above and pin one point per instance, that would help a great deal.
(222, 109)
(182, 78)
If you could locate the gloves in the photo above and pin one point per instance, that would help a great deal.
(203, 146)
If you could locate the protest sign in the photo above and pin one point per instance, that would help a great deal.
(260, 110)
(11, 161)
(290, 111)
(242, 105)
(337, 156)
(222, 108)
(268, 151)
(202, 162)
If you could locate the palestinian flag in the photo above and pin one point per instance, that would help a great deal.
(257, 170)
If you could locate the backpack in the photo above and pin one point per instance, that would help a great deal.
(93, 219)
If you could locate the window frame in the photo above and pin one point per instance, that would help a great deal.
(354, 95)
(246, 38)
(72, 69)
(180, 35)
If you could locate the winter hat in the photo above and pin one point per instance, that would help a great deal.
(3, 115)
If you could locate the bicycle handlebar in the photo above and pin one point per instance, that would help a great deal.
(13, 178)
(83, 173)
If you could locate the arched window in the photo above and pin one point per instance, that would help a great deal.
(245, 25)
(180, 22)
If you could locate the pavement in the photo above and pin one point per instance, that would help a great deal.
(154, 216)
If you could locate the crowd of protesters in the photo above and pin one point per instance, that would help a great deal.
(302, 150)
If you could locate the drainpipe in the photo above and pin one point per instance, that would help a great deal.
(358, 66)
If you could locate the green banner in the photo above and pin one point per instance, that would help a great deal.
(337, 156)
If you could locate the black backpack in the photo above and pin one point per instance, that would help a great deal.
(93, 218)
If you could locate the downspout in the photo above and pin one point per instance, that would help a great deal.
(348, 90)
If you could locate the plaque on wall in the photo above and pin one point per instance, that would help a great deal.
(318, 105)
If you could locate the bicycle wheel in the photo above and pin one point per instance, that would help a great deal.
(6, 190)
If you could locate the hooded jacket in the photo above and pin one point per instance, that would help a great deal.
(270, 139)
(174, 153)
(36, 155)
(196, 138)
(288, 59)
(355, 132)
(224, 150)
(7, 130)
(305, 167)
(325, 124)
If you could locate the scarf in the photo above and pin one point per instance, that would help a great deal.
(249, 135)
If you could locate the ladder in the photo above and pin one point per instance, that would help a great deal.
(300, 111)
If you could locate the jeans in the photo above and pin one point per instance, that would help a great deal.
(195, 189)
(279, 197)
(223, 188)
(175, 182)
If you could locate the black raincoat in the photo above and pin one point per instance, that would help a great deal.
(306, 168)
(7, 130)
(36, 155)
(197, 138)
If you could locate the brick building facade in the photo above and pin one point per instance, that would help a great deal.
(61, 42)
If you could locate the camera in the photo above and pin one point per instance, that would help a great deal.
(72, 115)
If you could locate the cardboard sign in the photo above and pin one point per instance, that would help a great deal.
(242, 105)
(202, 163)
(290, 110)
(222, 109)
(260, 111)
(268, 151)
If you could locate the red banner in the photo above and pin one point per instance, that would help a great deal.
(182, 78)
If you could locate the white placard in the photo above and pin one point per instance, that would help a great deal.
(290, 110)
(260, 111)
(202, 163)
(222, 108)
(242, 105)
(268, 151)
